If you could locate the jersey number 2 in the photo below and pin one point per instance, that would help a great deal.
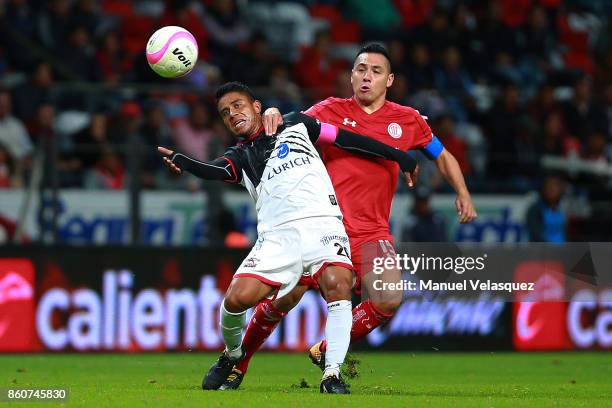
(341, 250)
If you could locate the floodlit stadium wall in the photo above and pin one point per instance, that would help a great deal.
(126, 299)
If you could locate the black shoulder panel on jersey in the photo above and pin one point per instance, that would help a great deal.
(313, 126)
(252, 157)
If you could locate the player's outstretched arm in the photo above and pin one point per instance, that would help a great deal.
(221, 168)
(324, 133)
(448, 166)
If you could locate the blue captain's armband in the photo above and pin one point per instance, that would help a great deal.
(433, 148)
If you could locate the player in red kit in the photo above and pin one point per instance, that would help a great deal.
(365, 190)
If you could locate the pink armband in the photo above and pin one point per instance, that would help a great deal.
(328, 134)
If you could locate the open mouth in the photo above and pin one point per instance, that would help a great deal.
(364, 88)
(239, 123)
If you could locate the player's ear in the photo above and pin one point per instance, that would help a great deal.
(390, 79)
(257, 106)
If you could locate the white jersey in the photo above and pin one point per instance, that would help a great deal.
(285, 176)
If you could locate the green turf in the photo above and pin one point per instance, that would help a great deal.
(394, 380)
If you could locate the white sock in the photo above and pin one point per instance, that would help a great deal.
(338, 335)
(231, 330)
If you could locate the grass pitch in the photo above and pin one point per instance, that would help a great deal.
(289, 380)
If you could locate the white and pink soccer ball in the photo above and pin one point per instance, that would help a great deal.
(172, 52)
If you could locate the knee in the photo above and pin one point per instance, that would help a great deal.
(234, 304)
(389, 305)
(237, 300)
(336, 283)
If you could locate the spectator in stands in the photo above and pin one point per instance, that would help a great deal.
(228, 31)
(89, 141)
(42, 131)
(420, 71)
(582, 115)
(285, 93)
(502, 129)
(155, 131)
(111, 58)
(42, 127)
(317, 69)
(180, 13)
(538, 37)
(499, 42)
(78, 55)
(603, 73)
(424, 224)
(7, 169)
(53, 25)
(398, 57)
(453, 82)
(108, 172)
(444, 129)
(598, 152)
(398, 93)
(343, 85)
(13, 134)
(34, 93)
(16, 23)
(546, 219)
(451, 77)
(527, 144)
(85, 13)
(21, 16)
(415, 12)
(193, 136)
(543, 104)
(555, 138)
(128, 123)
(464, 26)
(597, 149)
(437, 35)
(260, 61)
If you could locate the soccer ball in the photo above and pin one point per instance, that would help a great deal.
(172, 52)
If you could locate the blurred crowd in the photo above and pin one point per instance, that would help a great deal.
(503, 82)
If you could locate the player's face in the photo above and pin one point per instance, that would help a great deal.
(371, 76)
(240, 115)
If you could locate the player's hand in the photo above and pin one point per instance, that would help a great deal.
(465, 208)
(167, 153)
(411, 177)
(272, 119)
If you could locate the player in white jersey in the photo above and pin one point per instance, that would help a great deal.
(300, 230)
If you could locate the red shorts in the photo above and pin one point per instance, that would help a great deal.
(362, 254)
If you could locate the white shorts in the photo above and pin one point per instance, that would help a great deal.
(296, 249)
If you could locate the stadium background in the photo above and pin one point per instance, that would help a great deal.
(92, 228)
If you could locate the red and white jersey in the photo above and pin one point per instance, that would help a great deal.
(365, 186)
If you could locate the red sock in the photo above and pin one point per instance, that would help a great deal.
(265, 318)
(366, 317)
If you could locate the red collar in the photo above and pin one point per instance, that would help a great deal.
(252, 136)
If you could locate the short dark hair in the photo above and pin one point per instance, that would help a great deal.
(374, 48)
(234, 86)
